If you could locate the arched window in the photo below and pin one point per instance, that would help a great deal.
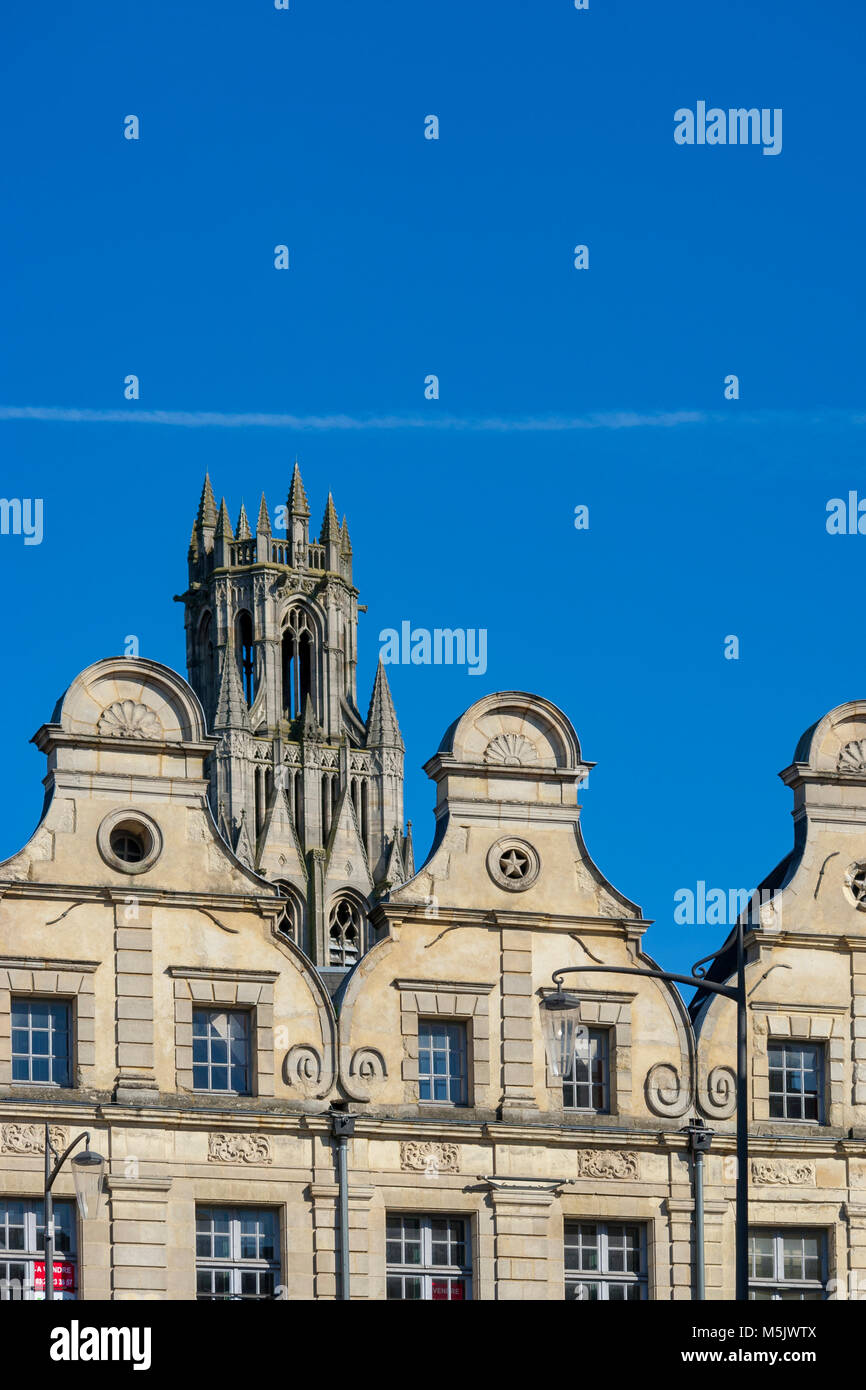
(297, 663)
(345, 932)
(245, 656)
(205, 657)
(300, 824)
(292, 921)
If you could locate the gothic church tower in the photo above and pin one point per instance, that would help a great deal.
(305, 790)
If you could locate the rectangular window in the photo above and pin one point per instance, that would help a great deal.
(796, 1081)
(428, 1258)
(788, 1266)
(588, 1087)
(221, 1050)
(236, 1253)
(442, 1062)
(605, 1261)
(22, 1250)
(41, 1034)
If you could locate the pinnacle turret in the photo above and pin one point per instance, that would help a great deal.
(224, 525)
(207, 512)
(330, 531)
(382, 726)
(310, 731)
(243, 528)
(298, 504)
(263, 525)
(231, 711)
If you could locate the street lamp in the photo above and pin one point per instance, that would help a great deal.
(560, 1013)
(560, 1026)
(342, 1126)
(87, 1171)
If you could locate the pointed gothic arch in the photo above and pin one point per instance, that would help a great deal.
(299, 649)
(292, 923)
(204, 644)
(246, 654)
(347, 928)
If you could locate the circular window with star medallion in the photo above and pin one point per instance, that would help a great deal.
(513, 864)
(855, 883)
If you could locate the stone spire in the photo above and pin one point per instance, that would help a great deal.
(231, 711)
(207, 512)
(310, 731)
(243, 528)
(331, 537)
(263, 525)
(298, 504)
(297, 527)
(330, 526)
(224, 525)
(205, 521)
(222, 536)
(382, 726)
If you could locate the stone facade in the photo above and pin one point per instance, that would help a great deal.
(133, 913)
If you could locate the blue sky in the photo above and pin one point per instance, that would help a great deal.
(557, 387)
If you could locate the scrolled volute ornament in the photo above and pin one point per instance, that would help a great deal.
(302, 1069)
(367, 1069)
(717, 1098)
(666, 1093)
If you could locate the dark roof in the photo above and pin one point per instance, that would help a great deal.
(725, 962)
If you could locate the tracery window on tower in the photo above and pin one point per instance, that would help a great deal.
(358, 790)
(345, 931)
(264, 786)
(246, 659)
(330, 796)
(297, 662)
(205, 655)
(291, 921)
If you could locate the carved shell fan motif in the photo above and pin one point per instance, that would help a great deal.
(853, 757)
(129, 719)
(510, 750)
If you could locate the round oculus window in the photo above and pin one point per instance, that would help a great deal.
(129, 841)
(513, 864)
(855, 883)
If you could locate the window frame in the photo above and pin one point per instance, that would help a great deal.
(236, 1265)
(248, 1014)
(425, 1270)
(33, 1253)
(604, 1036)
(604, 1276)
(61, 1001)
(778, 1284)
(449, 1025)
(785, 1045)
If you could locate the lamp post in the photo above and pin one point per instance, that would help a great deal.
(560, 1013)
(87, 1171)
(342, 1126)
(700, 1140)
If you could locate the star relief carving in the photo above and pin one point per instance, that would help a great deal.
(855, 882)
(514, 864)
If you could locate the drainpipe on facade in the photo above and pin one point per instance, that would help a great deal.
(700, 1139)
(342, 1129)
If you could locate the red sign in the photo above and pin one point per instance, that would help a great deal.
(442, 1293)
(64, 1277)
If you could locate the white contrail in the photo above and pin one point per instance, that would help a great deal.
(598, 420)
